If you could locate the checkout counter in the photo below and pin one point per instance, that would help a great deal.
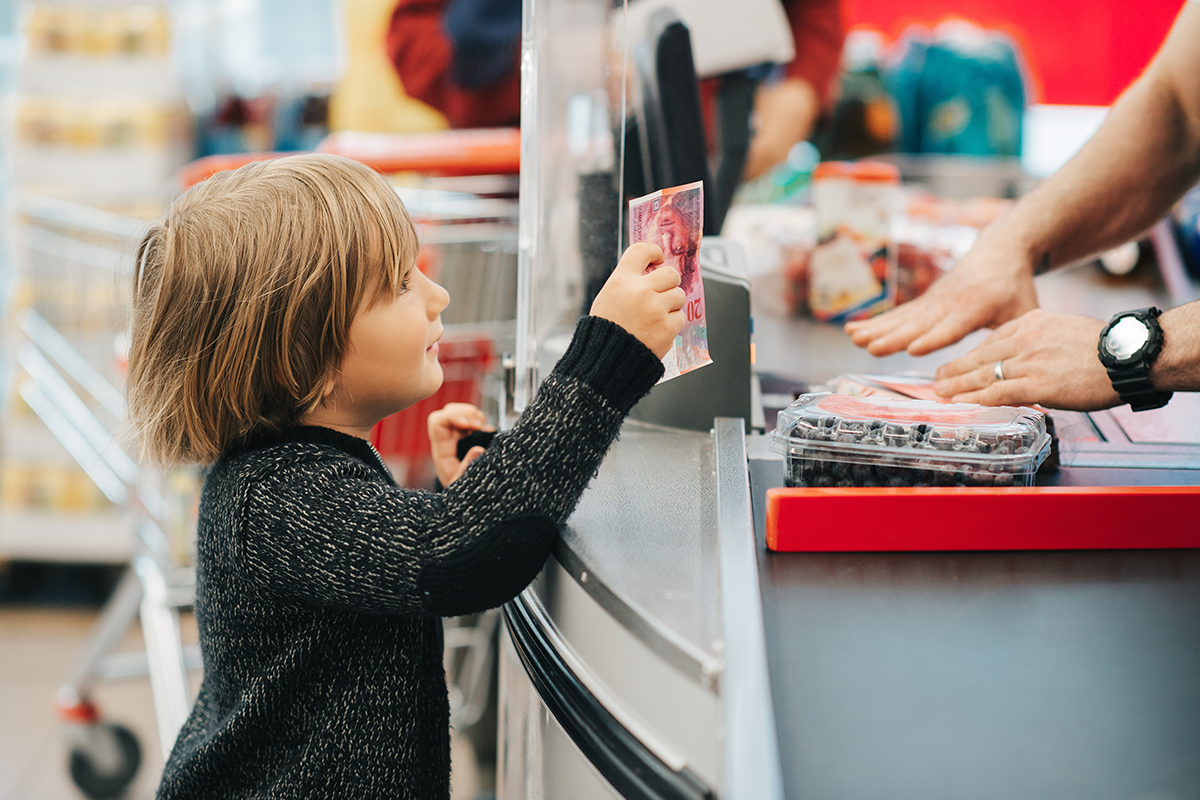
(665, 653)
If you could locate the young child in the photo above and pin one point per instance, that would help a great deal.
(277, 317)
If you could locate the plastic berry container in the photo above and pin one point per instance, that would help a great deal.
(839, 440)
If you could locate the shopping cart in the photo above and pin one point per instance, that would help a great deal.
(459, 187)
(468, 244)
(70, 307)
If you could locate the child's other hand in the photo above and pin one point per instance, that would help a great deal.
(647, 304)
(446, 426)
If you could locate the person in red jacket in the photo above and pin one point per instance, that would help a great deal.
(462, 57)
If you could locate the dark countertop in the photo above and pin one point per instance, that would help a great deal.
(984, 675)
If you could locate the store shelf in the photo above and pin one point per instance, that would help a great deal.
(93, 537)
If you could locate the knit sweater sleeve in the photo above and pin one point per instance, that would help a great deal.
(333, 534)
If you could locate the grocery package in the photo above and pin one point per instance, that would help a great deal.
(852, 270)
(930, 234)
(960, 89)
(840, 440)
(908, 386)
(864, 120)
(100, 107)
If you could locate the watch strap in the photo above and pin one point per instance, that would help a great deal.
(1133, 386)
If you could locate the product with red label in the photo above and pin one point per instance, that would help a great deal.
(852, 270)
(840, 440)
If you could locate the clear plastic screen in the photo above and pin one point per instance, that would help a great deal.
(575, 73)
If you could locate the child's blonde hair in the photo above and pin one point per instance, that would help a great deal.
(243, 297)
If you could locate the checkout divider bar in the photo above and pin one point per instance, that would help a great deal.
(752, 766)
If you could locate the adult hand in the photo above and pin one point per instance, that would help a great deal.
(991, 285)
(1045, 358)
(646, 302)
(786, 113)
(446, 426)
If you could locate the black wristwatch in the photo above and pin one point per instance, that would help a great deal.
(1128, 346)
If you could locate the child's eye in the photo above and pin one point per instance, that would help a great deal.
(404, 285)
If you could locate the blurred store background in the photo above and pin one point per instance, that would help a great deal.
(104, 102)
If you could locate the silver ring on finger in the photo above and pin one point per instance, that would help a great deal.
(998, 370)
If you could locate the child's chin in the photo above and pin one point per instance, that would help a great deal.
(437, 384)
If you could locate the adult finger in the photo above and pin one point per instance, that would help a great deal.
(950, 327)
(969, 379)
(1015, 392)
(900, 327)
(865, 331)
(986, 354)
(903, 335)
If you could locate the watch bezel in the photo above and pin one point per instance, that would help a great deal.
(1144, 354)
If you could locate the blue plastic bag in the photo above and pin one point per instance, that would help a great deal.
(959, 90)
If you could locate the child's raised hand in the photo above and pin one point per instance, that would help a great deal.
(647, 304)
(446, 426)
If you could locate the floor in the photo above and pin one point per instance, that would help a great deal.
(44, 625)
(45, 620)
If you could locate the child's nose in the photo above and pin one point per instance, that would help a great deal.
(439, 298)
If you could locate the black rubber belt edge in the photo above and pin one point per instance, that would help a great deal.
(624, 761)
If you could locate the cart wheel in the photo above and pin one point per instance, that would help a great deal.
(100, 778)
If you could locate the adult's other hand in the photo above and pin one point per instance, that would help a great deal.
(1044, 358)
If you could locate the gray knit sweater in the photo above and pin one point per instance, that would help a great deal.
(320, 586)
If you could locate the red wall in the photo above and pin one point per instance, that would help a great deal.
(1078, 52)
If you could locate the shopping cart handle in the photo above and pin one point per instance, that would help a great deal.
(477, 151)
(467, 151)
(204, 168)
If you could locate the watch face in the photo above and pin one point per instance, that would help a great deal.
(1126, 338)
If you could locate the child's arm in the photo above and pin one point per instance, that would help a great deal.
(328, 533)
(648, 305)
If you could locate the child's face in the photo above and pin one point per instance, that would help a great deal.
(392, 360)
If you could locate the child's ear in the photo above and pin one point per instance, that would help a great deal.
(330, 386)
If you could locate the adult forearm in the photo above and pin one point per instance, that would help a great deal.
(1126, 178)
(1177, 368)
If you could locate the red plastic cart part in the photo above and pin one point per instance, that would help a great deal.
(482, 151)
(80, 712)
(1013, 518)
(479, 151)
(204, 168)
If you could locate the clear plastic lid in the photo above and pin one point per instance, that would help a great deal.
(858, 428)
